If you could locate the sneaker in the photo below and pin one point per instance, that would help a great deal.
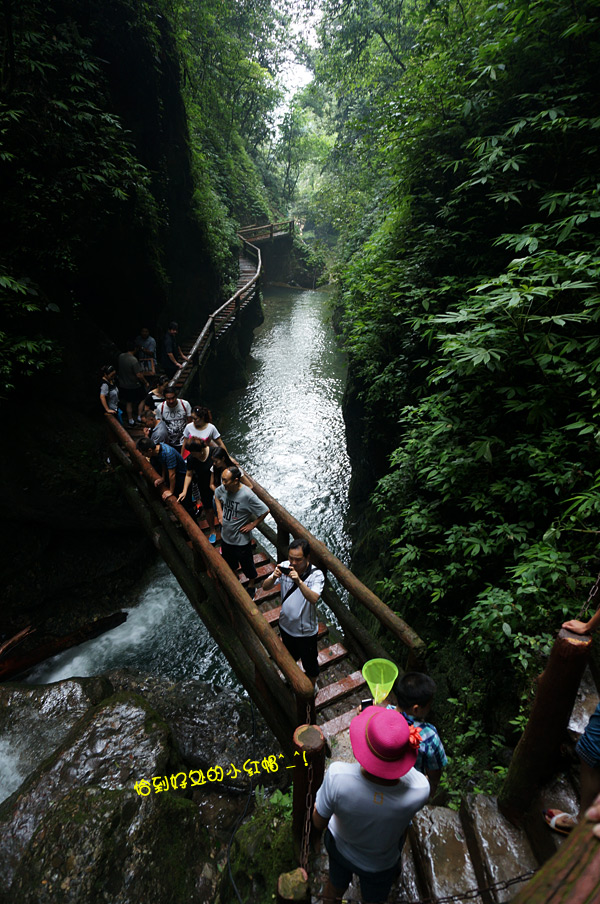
(131, 422)
(212, 538)
(138, 419)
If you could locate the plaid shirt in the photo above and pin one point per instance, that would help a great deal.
(431, 755)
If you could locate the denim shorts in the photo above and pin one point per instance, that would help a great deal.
(588, 746)
(374, 887)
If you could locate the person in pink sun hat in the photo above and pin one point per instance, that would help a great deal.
(366, 807)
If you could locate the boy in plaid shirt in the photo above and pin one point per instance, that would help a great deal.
(415, 692)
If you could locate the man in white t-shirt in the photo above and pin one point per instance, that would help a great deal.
(175, 413)
(367, 807)
(301, 586)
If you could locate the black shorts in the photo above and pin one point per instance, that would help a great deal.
(242, 556)
(304, 648)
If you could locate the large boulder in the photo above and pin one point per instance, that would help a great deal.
(35, 719)
(111, 847)
(114, 745)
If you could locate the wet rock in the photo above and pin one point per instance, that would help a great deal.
(210, 726)
(499, 850)
(586, 702)
(34, 720)
(115, 744)
(112, 847)
(408, 883)
(441, 852)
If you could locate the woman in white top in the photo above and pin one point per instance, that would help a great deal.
(109, 393)
(202, 427)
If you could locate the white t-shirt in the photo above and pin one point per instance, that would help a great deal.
(209, 432)
(298, 617)
(367, 820)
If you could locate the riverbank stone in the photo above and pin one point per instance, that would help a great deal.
(114, 745)
(211, 726)
(109, 847)
(34, 719)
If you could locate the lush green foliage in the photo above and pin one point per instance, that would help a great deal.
(471, 304)
(59, 149)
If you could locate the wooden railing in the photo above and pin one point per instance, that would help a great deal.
(287, 524)
(268, 231)
(236, 303)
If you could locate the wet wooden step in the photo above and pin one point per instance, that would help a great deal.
(265, 596)
(333, 692)
(441, 853)
(334, 726)
(330, 655)
(499, 851)
(263, 572)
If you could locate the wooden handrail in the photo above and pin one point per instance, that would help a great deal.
(266, 228)
(356, 588)
(301, 685)
(211, 318)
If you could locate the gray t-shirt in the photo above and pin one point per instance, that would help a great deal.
(129, 366)
(238, 509)
(299, 617)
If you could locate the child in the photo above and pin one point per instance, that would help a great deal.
(415, 695)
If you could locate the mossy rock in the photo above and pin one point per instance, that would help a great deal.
(102, 846)
(263, 849)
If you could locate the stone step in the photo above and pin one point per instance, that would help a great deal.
(499, 851)
(442, 856)
(333, 692)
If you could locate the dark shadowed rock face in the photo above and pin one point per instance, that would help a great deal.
(107, 846)
(210, 726)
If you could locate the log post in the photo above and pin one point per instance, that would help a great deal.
(535, 758)
(309, 762)
(283, 542)
(571, 876)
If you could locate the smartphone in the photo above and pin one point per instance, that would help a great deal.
(365, 703)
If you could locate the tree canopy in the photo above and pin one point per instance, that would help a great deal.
(463, 185)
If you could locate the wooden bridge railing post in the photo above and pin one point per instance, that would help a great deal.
(309, 762)
(571, 876)
(535, 758)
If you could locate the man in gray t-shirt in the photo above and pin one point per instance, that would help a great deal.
(239, 510)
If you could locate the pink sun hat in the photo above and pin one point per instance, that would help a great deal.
(383, 742)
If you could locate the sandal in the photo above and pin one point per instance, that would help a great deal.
(552, 818)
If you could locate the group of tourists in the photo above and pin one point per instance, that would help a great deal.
(124, 388)
(365, 808)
